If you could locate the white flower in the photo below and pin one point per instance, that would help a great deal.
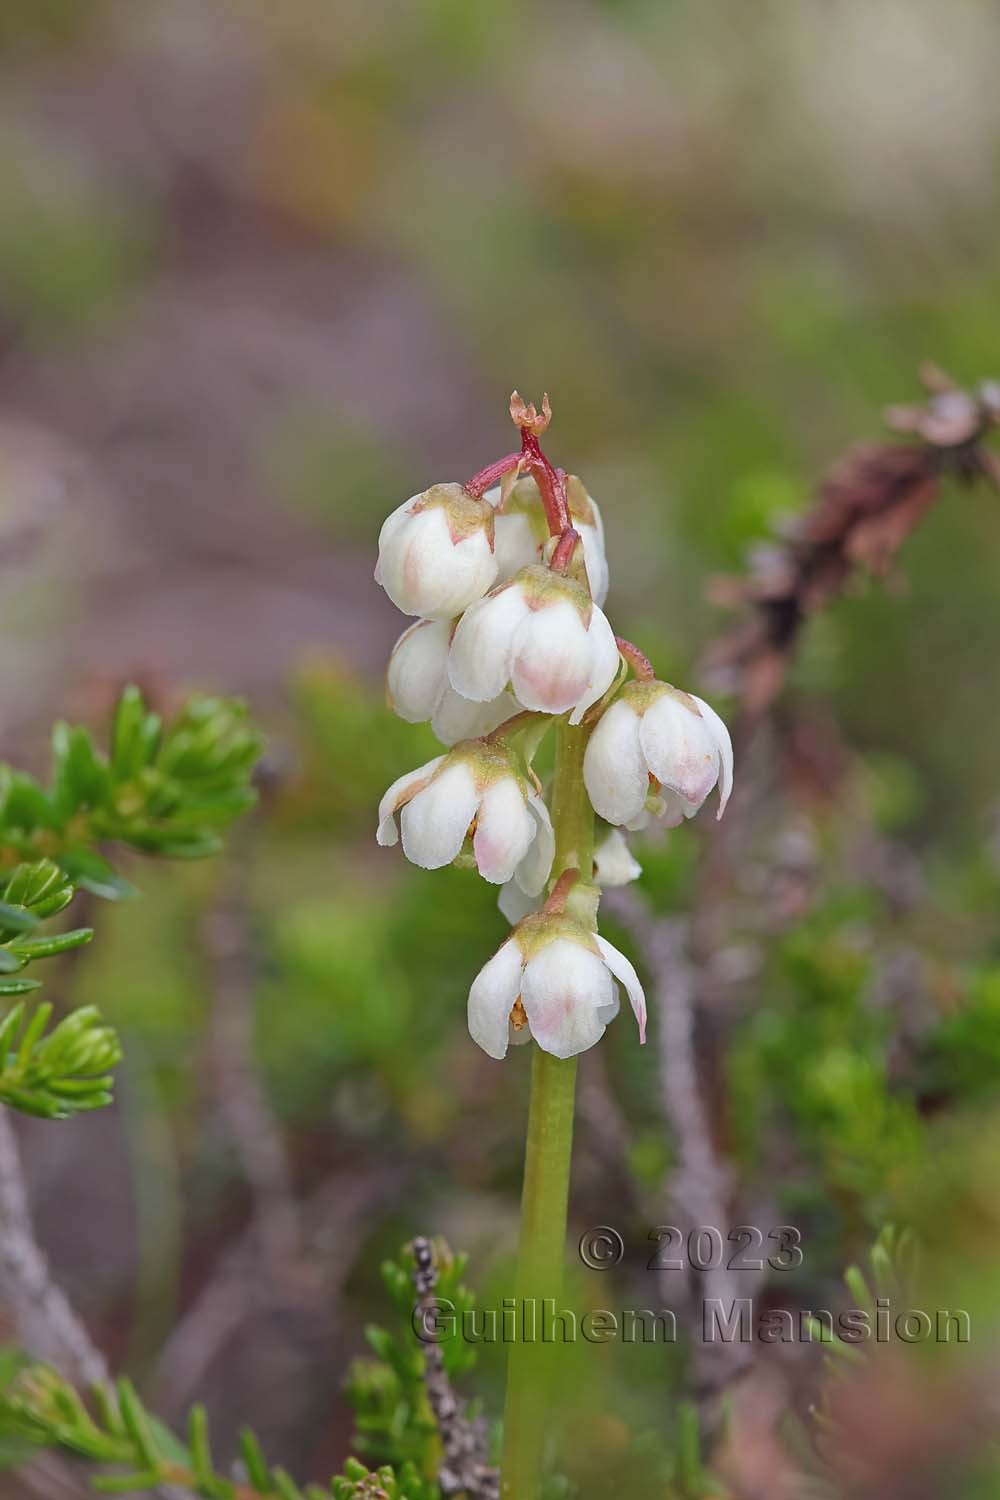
(474, 791)
(418, 689)
(653, 733)
(553, 978)
(522, 532)
(435, 552)
(614, 862)
(542, 634)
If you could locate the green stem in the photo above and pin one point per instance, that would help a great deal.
(546, 1174)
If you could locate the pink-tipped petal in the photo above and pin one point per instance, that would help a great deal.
(680, 748)
(552, 658)
(505, 830)
(724, 745)
(623, 970)
(568, 995)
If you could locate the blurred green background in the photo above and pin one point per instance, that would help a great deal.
(264, 272)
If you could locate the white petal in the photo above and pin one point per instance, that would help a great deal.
(533, 871)
(517, 544)
(479, 662)
(598, 520)
(418, 670)
(514, 904)
(397, 795)
(680, 749)
(724, 745)
(491, 999)
(673, 809)
(614, 767)
(473, 571)
(457, 718)
(505, 830)
(564, 990)
(413, 560)
(623, 970)
(436, 821)
(597, 563)
(614, 862)
(390, 527)
(603, 664)
(552, 658)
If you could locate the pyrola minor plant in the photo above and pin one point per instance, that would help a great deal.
(507, 575)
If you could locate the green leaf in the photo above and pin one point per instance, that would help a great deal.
(41, 888)
(80, 778)
(16, 919)
(44, 947)
(134, 735)
(57, 1073)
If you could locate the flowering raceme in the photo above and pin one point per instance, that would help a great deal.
(506, 576)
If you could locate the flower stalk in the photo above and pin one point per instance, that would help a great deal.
(545, 1193)
(511, 638)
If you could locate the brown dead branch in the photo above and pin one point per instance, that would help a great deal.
(870, 502)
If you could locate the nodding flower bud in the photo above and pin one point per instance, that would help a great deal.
(660, 750)
(522, 532)
(435, 552)
(553, 980)
(476, 791)
(418, 689)
(541, 633)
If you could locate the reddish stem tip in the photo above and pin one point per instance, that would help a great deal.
(637, 660)
(486, 478)
(556, 901)
(564, 549)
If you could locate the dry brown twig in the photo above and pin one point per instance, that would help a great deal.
(870, 502)
(699, 1186)
(464, 1470)
(254, 1132)
(47, 1324)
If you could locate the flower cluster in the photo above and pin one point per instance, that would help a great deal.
(506, 576)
